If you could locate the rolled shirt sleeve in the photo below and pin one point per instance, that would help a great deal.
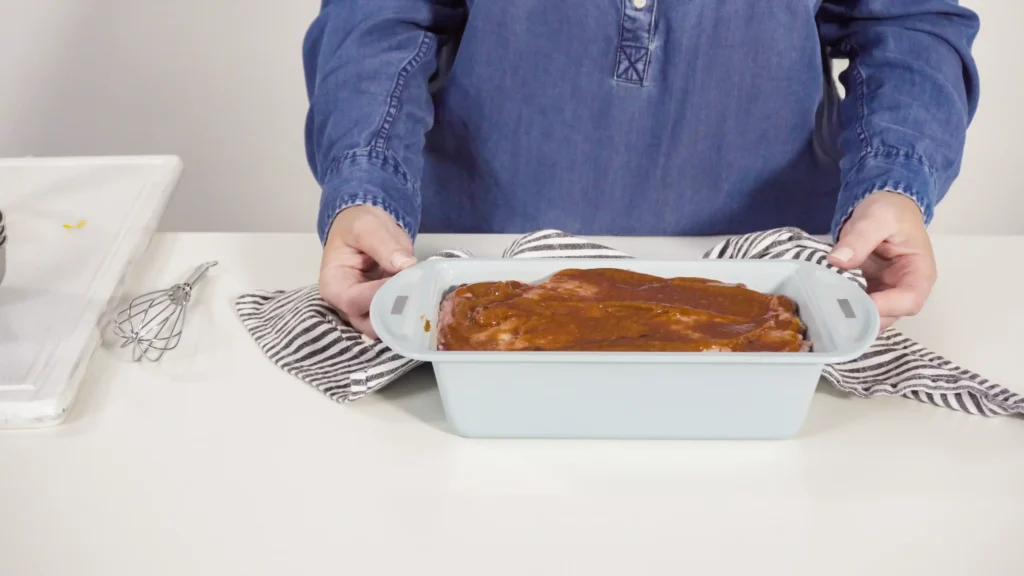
(368, 65)
(912, 89)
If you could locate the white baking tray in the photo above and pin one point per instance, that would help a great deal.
(60, 282)
(628, 394)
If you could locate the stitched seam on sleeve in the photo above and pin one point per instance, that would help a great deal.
(382, 159)
(394, 101)
(927, 210)
(892, 153)
(861, 92)
(380, 202)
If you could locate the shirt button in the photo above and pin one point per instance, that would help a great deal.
(639, 4)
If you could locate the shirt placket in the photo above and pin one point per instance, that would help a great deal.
(635, 34)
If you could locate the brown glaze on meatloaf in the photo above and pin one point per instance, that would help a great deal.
(609, 309)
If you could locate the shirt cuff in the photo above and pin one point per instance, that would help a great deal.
(369, 177)
(890, 171)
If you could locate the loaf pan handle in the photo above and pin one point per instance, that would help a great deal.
(398, 314)
(850, 313)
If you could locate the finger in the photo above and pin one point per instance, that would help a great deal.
(887, 322)
(899, 301)
(873, 267)
(857, 243)
(347, 290)
(362, 324)
(335, 282)
(363, 262)
(383, 241)
(918, 272)
(355, 301)
(905, 286)
(339, 255)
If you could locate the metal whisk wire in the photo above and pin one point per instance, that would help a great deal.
(152, 323)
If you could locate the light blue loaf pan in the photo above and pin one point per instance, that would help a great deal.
(643, 395)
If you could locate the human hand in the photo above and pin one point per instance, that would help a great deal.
(886, 238)
(364, 247)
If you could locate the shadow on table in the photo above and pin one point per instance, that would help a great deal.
(416, 394)
(91, 399)
(829, 411)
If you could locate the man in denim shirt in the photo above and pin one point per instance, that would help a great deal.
(636, 117)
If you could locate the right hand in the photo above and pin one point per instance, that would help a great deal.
(364, 247)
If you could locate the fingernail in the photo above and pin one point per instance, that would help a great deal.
(402, 261)
(843, 254)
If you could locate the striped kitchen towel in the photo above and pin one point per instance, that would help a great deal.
(302, 335)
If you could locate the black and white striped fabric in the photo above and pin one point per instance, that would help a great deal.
(302, 335)
(3, 245)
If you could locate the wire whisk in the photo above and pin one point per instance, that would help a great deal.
(152, 323)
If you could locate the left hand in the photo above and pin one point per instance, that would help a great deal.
(886, 238)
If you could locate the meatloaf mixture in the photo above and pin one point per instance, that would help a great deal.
(617, 310)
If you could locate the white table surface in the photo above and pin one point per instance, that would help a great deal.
(214, 462)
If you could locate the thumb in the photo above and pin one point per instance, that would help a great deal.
(385, 243)
(857, 241)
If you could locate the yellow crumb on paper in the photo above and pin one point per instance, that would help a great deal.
(75, 226)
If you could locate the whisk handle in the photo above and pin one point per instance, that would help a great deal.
(199, 272)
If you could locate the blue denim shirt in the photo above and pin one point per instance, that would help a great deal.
(634, 117)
